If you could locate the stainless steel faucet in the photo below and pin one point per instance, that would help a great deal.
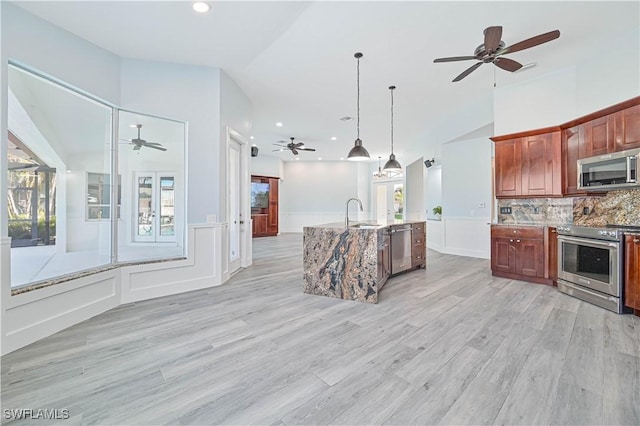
(346, 211)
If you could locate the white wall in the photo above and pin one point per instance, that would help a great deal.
(543, 102)
(313, 193)
(266, 165)
(414, 190)
(466, 185)
(433, 189)
(610, 77)
(185, 93)
(29, 40)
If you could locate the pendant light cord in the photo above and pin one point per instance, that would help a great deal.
(358, 98)
(392, 120)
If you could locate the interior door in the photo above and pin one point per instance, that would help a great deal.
(155, 216)
(235, 217)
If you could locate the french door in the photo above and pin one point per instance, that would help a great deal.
(155, 211)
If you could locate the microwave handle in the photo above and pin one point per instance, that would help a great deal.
(630, 158)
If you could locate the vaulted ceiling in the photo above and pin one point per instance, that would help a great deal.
(294, 60)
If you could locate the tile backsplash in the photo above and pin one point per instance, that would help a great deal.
(617, 207)
(537, 211)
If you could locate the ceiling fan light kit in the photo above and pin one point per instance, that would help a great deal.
(493, 49)
(358, 152)
(392, 165)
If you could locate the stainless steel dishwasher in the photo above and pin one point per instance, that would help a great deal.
(400, 248)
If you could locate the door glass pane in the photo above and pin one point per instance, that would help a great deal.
(398, 198)
(145, 203)
(167, 206)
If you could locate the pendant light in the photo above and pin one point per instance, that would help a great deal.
(380, 173)
(358, 152)
(392, 165)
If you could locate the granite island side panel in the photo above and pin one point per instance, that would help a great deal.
(340, 262)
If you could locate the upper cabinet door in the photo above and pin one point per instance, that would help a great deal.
(570, 155)
(541, 165)
(596, 137)
(627, 128)
(508, 168)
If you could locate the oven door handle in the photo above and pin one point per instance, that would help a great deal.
(588, 242)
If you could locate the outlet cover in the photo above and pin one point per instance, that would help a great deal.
(505, 210)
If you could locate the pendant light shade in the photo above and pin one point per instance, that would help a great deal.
(392, 165)
(358, 152)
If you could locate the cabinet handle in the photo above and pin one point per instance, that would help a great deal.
(553, 231)
(515, 232)
(517, 241)
(636, 240)
(510, 241)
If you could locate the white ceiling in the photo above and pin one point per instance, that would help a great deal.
(295, 59)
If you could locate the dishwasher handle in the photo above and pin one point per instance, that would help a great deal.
(393, 231)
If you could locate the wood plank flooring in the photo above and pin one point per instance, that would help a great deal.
(447, 345)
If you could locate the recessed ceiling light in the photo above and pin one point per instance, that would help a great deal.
(319, 158)
(253, 144)
(68, 171)
(279, 124)
(341, 158)
(333, 138)
(251, 137)
(297, 158)
(346, 118)
(201, 7)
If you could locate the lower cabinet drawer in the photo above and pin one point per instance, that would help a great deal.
(417, 256)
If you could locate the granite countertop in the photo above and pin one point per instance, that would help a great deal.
(368, 223)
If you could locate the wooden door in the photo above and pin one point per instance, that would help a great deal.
(530, 257)
(627, 128)
(503, 255)
(541, 165)
(508, 168)
(272, 214)
(632, 272)
(597, 138)
(264, 206)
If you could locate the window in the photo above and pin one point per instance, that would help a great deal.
(61, 196)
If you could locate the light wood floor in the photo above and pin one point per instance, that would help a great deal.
(449, 345)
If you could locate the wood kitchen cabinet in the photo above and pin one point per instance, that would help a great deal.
(632, 272)
(596, 137)
(529, 166)
(418, 246)
(519, 253)
(384, 257)
(627, 128)
(508, 168)
(552, 255)
(570, 156)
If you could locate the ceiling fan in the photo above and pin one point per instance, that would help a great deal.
(139, 143)
(293, 147)
(493, 49)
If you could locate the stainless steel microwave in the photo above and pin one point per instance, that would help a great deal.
(611, 171)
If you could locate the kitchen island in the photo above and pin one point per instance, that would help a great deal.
(351, 263)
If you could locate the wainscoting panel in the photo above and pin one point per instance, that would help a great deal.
(467, 237)
(201, 269)
(31, 316)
